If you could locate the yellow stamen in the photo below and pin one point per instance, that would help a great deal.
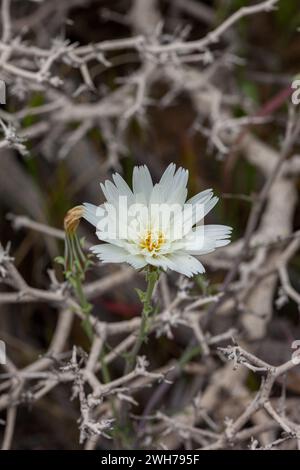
(152, 242)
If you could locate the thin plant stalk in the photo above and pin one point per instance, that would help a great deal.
(152, 276)
(146, 298)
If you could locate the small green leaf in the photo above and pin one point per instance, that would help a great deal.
(141, 294)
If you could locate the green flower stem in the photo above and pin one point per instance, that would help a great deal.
(146, 297)
(152, 276)
(85, 307)
(75, 264)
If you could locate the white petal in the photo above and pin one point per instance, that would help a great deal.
(156, 195)
(137, 262)
(185, 264)
(166, 181)
(159, 261)
(208, 206)
(178, 196)
(90, 213)
(110, 253)
(173, 185)
(196, 208)
(200, 246)
(178, 192)
(122, 186)
(207, 238)
(200, 210)
(217, 232)
(110, 192)
(130, 248)
(181, 177)
(201, 197)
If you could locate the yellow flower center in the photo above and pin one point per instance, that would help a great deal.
(152, 242)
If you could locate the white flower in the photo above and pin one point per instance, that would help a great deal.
(156, 226)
